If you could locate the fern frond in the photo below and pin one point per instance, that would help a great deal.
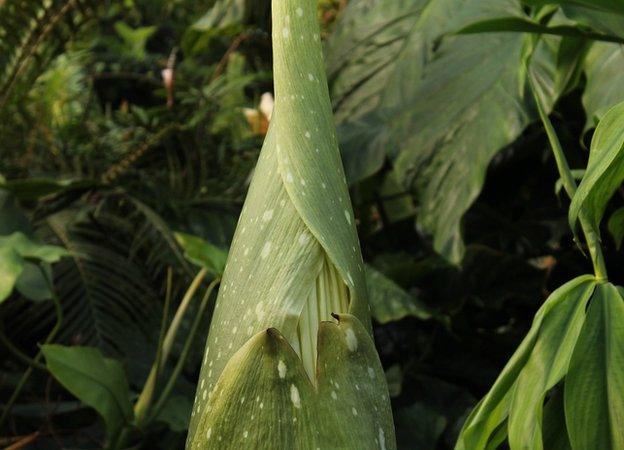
(30, 34)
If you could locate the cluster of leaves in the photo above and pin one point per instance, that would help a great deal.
(452, 184)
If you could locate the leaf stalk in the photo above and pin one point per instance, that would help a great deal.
(569, 184)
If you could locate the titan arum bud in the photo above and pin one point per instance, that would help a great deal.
(290, 362)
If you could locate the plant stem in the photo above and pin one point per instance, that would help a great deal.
(185, 351)
(145, 398)
(591, 234)
(37, 358)
(142, 405)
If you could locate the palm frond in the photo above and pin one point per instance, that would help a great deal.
(31, 32)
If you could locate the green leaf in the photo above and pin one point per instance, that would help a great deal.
(32, 189)
(95, 380)
(265, 400)
(594, 387)
(11, 265)
(492, 411)
(546, 366)
(604, 87)
(554, 428)
(16, 250)
(439, 115)
(294, 265)
(615, 6)
(108, 294)
(202, 253)
(601, 21)
(135, 39)
(28, 249)
(605, 169)
(389, 301)
(526, 25)
(32, 284)
(615, 225)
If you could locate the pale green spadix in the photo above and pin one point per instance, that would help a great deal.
(278, 371)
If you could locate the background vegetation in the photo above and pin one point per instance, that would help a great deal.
(124, 123)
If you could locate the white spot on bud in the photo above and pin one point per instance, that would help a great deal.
(281, 369)
(266, 250)
(304, 238)
(352, 342)
(294, 396)
(268, 215)
(382, 439)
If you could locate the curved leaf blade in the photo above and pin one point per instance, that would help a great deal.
(492, 411)
(389, 301)
(95, 380)
(594, 389)
(605, 169)
(265, 388)
(546, 366)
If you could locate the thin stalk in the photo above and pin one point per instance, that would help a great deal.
(145, 398)
(591, 234)
(160, 403)
(177, 319)
(57, 326)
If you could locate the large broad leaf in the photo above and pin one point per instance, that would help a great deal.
(294, 260)
(265, 400)
(441, 112)
(614, 6)
(605, 87)
(483, 426)
(97, 381)
(605, 169)
(594, 387)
